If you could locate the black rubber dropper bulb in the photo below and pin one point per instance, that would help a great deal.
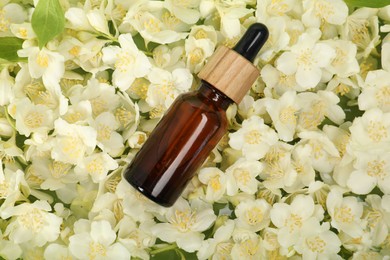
(252, 41)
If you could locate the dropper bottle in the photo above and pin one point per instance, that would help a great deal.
(195, 122)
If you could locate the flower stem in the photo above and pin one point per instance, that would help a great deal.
(163, 249)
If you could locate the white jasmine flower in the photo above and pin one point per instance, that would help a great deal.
(57, 252)
(253, 215)
(204, 32)
(32, 118)
(10, 13)
(97, 166)
(216, 182)
(44, 63)
(128, 115)
(229, 12)
(370, 170)
(10, 184)
(324, 154)
(376, 91)
(302, 165)
(78, 20)
(80, 113)
(317, 241)
(242, 175)
(197, 51)
(32, 223)
(220, 245)
(278, 38)
(98, 21)
(283, 113)
(249, 248)
(187, 11)
(269, 8)
(6, 85)
(291, 218)
(101, 96)
(362, 29)
(185, 224)
(277, 82)
(254, 138)
(346, 212)
(8, 249)
(23, 31)
(157, 24)
(316, 106)
(136, 238)
(128, 61)
(166, 86)
(371, 132)
(279, 171)
(318, 12)
(167, 58)
(97, 242)
(108, 139)
(55, 175)
(136, 205)
(72, 142)
(344, 64)
(137, 139)
(306, 59)
(377, 217)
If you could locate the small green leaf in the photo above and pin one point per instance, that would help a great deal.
(9, 47)
(48, 20)
(368, 3)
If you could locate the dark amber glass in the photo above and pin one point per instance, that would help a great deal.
(179, 144)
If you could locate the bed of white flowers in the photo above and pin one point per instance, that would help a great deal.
(304, 171)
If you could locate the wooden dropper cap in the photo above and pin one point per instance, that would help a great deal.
(231, 70)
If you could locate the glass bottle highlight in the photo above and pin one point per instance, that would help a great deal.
(195, 122)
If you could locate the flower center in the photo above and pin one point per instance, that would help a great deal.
(316, 244)
(287, 115)
(200, 34)
(376, 131)
(183, 220)
(254, 216)
(249, 247)
(242, 175)
(95, 167)
(4, 190)
(373, 218)
(215, 184)
(42, 60)
(124, 116)
(169, 19)
(383, 96)
(124, 61)
(305, 58)
(32, 220)
(253, 137)
(323, 9)
(196, 56)
(96, 249)
(59, 169)
(344, 214)
(34, 119)
(294, 222)
(376, 169)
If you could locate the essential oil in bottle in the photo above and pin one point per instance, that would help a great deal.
(195, 122)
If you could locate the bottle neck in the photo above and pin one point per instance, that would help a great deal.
(219, 98)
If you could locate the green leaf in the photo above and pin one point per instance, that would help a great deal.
(9, 47)
(368, 3)
(48, 20)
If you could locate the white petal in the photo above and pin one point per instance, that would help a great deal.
(360, 183)
(308, 77)
(102, 232)
(287, 63)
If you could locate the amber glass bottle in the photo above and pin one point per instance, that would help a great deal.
(195, 122)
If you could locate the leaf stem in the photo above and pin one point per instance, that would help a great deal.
(163, 249)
